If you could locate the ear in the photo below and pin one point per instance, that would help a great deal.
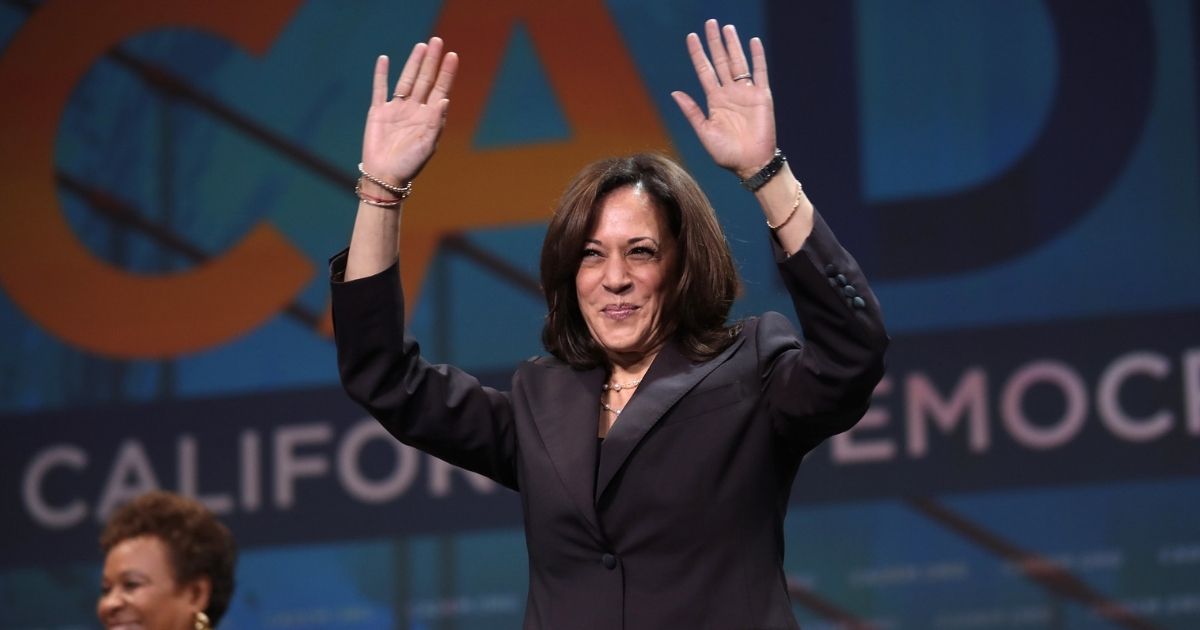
(198, 591)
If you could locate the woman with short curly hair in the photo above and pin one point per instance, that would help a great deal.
(168, 565)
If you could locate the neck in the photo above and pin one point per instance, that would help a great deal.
(630, 367)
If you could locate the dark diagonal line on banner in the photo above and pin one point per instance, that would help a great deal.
(1037, 568)
(166, 83)
(123, 214)
(507, 271)
(826, 609)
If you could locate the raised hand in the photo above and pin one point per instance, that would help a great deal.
(400, 137)
(739, 130)
(401, 134)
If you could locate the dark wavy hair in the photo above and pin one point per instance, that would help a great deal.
(199, 545)
(698, 297)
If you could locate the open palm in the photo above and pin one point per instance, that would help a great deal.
(739, 130)
(401, 134)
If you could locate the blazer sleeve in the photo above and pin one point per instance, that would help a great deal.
(821, 385)
(438, 409)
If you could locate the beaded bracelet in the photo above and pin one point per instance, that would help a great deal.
(400, 191)
(795, 207)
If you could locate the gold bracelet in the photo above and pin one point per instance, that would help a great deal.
(375, 201)
(795, 207)
(400, 191)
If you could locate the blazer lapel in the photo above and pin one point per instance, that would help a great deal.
(669, 378)
(566, 411)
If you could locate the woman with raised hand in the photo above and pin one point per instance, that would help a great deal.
(655, 447)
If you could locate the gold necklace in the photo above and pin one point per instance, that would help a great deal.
(616, 387)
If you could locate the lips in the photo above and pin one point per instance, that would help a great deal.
(618, 312)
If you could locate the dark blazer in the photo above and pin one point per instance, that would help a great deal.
(679, 522)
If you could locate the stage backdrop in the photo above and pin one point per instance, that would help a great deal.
(1019, 178)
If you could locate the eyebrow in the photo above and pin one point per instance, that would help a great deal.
(628, 242)
(127, 573)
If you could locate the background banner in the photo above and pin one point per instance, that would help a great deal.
(1019, 179)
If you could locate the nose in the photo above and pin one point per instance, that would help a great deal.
(108, 604)
(616, 276)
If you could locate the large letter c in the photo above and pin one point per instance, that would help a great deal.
(44, 267)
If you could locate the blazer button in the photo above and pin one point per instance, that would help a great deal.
(831, 270)
(859, 303)
(849, 291)
(609, 560)
(841, 279)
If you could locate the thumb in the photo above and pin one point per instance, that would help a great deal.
(442, 109)
(691, 111)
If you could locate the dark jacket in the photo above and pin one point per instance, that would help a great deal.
(679, 524)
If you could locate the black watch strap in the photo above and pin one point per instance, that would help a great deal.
(757, 180)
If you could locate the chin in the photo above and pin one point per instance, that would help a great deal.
(624, 347)
(620, 339)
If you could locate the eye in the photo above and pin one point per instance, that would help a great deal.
(591, 255)
(642, 252)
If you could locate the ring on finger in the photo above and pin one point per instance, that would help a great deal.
(400, 96)
(744, 76)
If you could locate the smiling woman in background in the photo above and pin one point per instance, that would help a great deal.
(656, 446)
(168, 565)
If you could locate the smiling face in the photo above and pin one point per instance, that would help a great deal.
(622, 278)
(138, 590)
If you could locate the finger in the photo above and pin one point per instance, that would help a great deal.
(691, 111)
(429, 70)
(443, 107)
(379, 82)
(759, 56)
(733, 47)
(445, 80)
(704, 69)
(716, 49)
(409, 74)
